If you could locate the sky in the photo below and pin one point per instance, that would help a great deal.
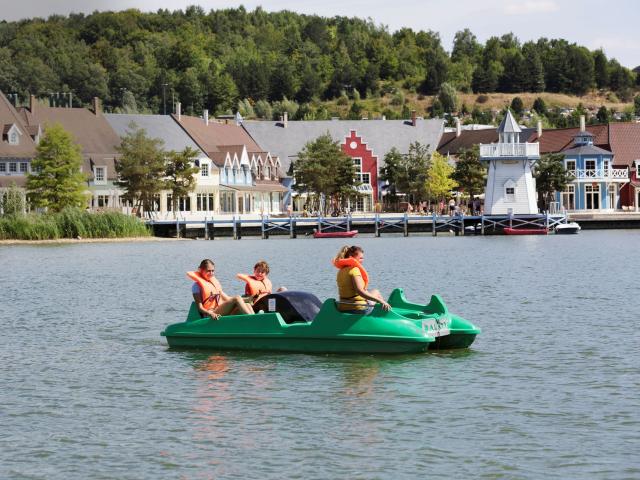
(610, 25)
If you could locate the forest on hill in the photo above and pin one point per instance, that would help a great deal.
(265, 63)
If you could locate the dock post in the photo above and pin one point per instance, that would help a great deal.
(206, 229)
(239, 228)
(319, 223)
(348, 222)
(212, 233)
(177, 227)
(462, 224)
(376, 222)
(264, 235)
(546, 220)
(510, 220)
(235, 228)
(482, 224)
(406, 225)
(292, 227)
(434, 229)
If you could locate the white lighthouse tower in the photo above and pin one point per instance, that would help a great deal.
(510, 185)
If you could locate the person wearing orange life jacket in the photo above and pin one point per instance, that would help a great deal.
(353, 280)
(257, 285)
(209, 297)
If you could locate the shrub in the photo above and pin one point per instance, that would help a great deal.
(482, 98)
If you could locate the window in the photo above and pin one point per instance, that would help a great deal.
(3, 167)
(568, 198)
(99, 174)
(204, 202)
(510, 191)
(103, 201)
(571, 165)
(13, 138)
(204, 169)
(590, 167)
(13, 167)
(23, 167)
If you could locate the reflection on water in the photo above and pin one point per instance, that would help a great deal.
(548, 389)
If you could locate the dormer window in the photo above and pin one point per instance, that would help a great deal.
(100, 175)
(13, 138)
(204, 169)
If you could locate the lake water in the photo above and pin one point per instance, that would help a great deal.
(551, 389)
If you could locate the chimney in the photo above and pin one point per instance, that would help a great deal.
(458, 127)
(285, 119)
(582, 123)
(539, 128)
(413, 118)
(205, 115)
(179, 111)
(32, 103)
(96, 106)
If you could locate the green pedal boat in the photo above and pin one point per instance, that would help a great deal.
(298, 322)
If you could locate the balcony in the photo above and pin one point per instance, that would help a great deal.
(509, 150)
(600, 174)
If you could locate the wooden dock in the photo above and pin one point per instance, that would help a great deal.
(376, 224)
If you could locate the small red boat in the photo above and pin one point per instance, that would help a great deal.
(525, 231)
(346, 234)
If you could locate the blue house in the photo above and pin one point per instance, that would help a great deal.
(596, 185)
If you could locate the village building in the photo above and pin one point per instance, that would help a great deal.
(98, 143)
(365, 141)
(510, 184)
(17, 148)
(250, 177)
(203, 200)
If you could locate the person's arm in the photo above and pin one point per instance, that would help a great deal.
(202, 310)
(358, 284)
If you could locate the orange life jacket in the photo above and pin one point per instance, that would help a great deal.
(255, 288)
(210, 290)
(352, 262)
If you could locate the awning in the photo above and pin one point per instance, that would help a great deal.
(254, 188)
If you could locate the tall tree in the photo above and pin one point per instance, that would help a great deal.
(469, 172)
(180, 174)
(141, 168)
(323, 170)
(448, 97)
(551, 177)
(407, 173)
(439, 182)
(56, 181)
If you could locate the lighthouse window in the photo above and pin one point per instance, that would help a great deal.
(510, 194)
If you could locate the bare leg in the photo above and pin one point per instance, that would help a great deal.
(235, 305)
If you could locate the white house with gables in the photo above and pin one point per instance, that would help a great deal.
(510, 184)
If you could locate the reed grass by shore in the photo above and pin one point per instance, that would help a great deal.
(71, 223)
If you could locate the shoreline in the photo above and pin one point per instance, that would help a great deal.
(91, 240)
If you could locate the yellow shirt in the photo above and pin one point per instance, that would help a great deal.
(347, 291)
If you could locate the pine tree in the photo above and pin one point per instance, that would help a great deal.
(56, 181)
(180, 173)
(469, 172)
(141, 168)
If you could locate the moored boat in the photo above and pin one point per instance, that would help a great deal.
(298, 322)
(341, 234)
(525, 231)
(567, 228)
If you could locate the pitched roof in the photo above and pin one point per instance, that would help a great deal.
(509, 124)
(557, 139)
(8, 116)
(452, 145)
(92, 132)
(624, 139)
(211, 137)
(586, 150)
(156, 126)
(379, 135)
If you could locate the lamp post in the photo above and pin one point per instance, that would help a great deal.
(164, 98)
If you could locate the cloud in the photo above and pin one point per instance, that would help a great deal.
(529, 7)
